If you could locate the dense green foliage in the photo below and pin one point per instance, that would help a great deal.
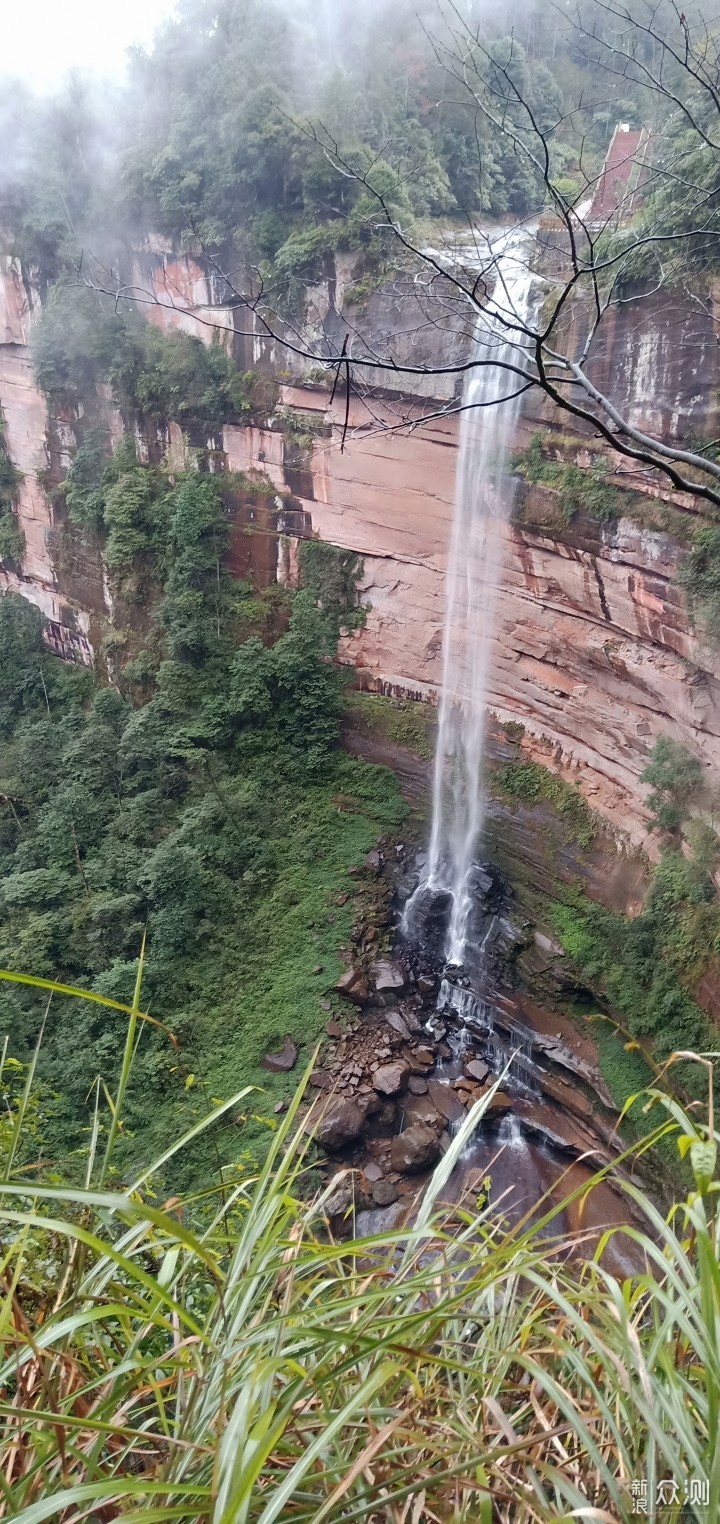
(219, 814)
(83, 339)
(287, 134)
(644, 967)
(675, 777)
(331, 576)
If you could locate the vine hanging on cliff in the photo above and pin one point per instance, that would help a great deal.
(12, 538)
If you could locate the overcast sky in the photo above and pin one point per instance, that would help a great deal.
(41, 39)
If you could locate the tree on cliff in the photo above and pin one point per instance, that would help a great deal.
(612, 233)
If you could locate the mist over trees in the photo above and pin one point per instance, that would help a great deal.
(206, 140)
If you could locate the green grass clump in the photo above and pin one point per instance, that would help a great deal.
(700, 577)
(227, 1358)
(589, 490)
(403, 721)
(529, 783)
(578, 489)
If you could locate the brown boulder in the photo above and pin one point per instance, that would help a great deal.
(398, 1024)
(390, 1078)
(415, 1149)
(500, 1102)
(384, 1193)
(476, 1069)
(446, 1101)
(420, 1108)
(353, 984)
(340, 1122)
(419, 1059)
(280, 1063)
(321, 1079)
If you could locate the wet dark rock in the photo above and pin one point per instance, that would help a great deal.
(381, 1122)
(384, 1193)
(415, 1149)
(338, 1123)
(427, 984)
(428, 919)
(353, 984)
(398, 1024)
(446, 1101)
(420, 1108)
(478, 1070)
(417, 1085)
(282, 1062)
(373, 1172)
(390, 1078)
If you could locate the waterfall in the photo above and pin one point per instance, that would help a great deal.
(483, 500)
(510, 1134)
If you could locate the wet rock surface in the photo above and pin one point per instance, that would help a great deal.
(416, 1149)
(417, 1046)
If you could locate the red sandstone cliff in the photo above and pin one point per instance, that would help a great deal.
(594, 652)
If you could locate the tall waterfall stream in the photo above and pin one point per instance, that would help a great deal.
(483, 499)
(483, 502)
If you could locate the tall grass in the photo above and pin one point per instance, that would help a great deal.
(225, 1359)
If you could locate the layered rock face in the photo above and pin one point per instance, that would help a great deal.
(595, 655)
(39, 447)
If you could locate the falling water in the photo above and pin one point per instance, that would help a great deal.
(482, 503)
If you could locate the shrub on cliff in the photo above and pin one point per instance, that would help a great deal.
(83, 339)
(675, 777)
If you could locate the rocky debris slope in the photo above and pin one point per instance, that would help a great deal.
(410, 1054)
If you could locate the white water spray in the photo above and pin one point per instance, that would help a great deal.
(483, 499)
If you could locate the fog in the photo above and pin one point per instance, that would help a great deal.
(42, 42)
